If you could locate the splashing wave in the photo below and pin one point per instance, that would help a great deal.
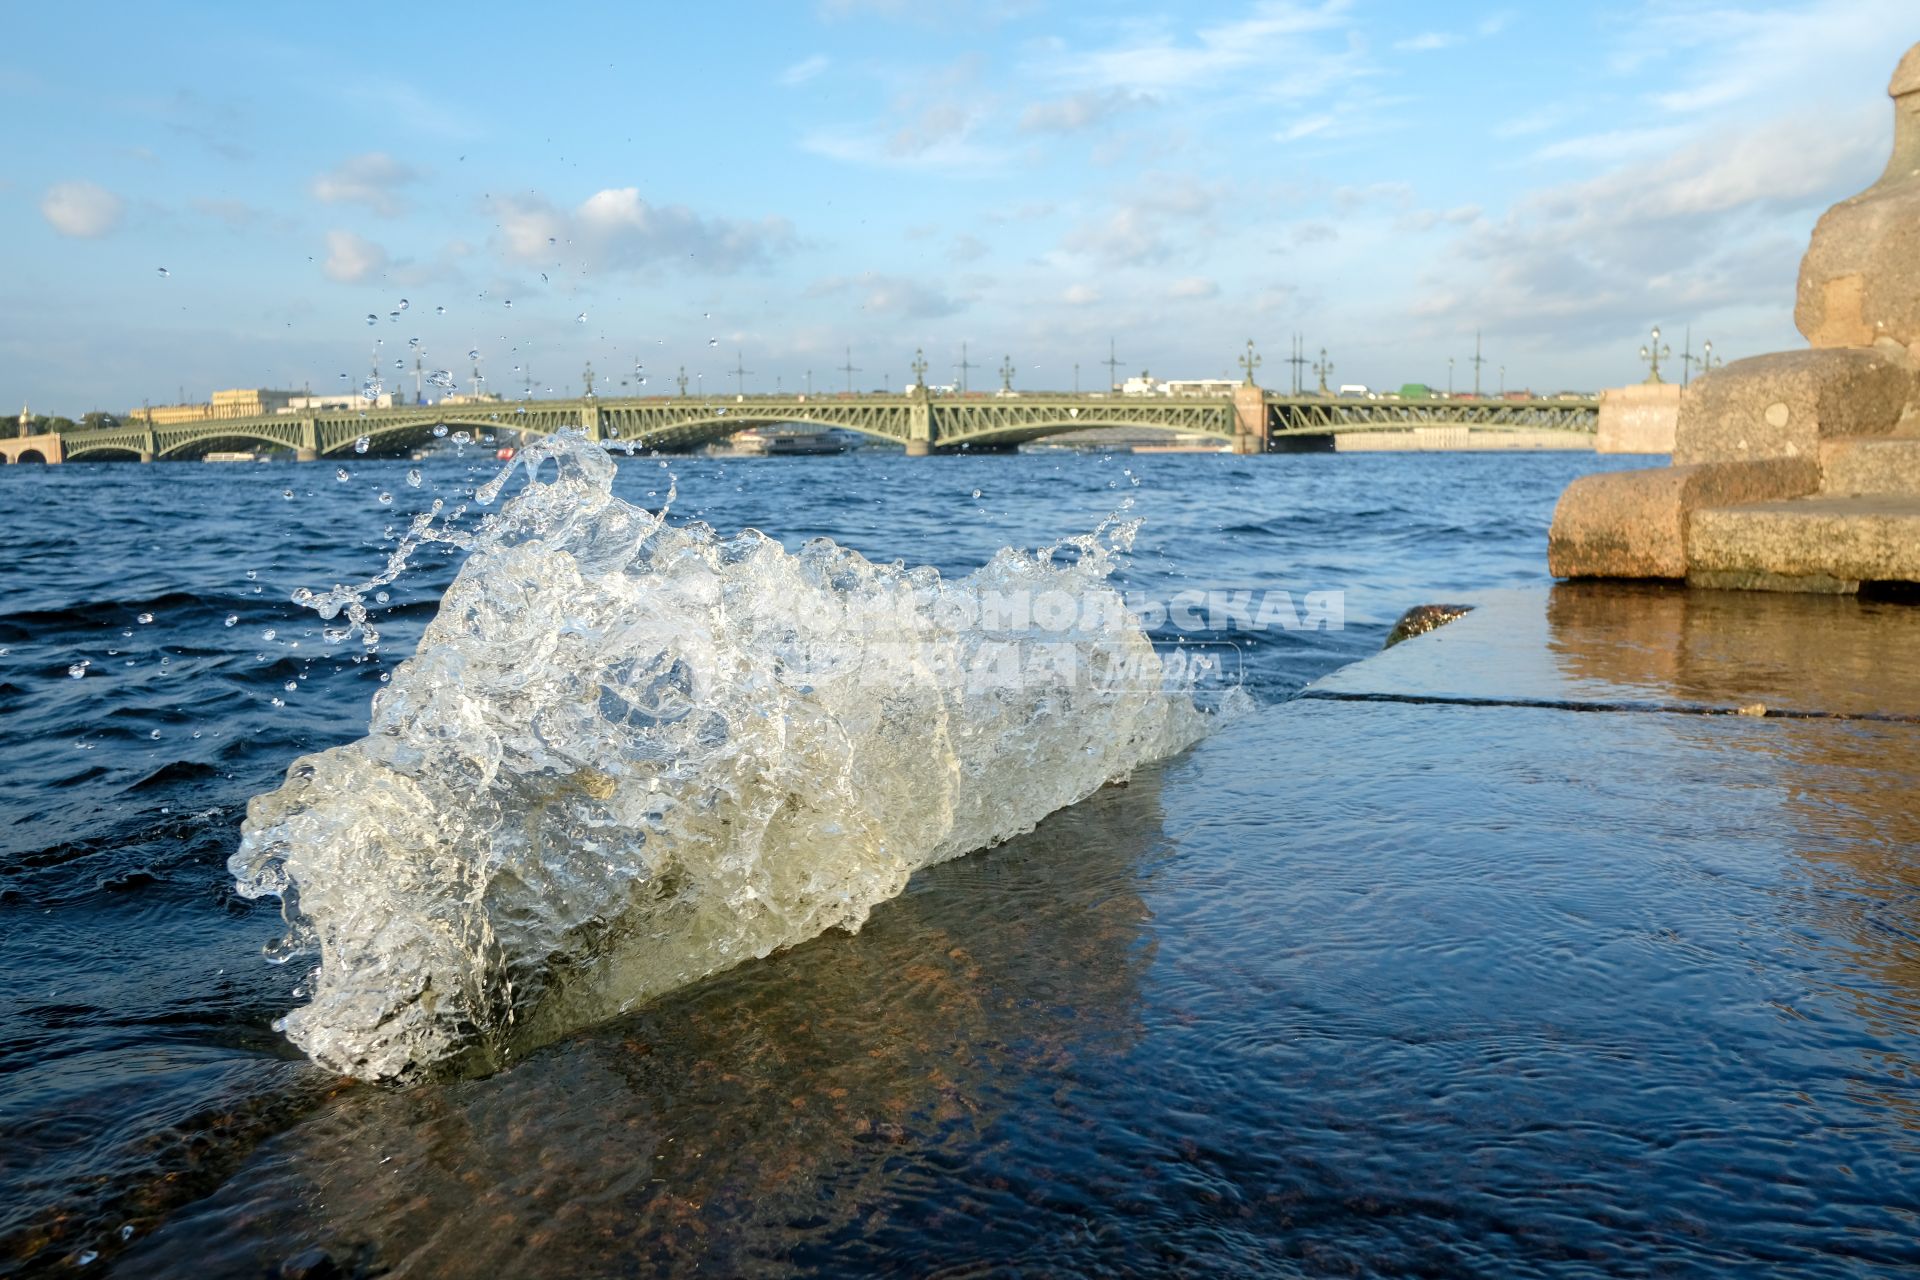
(628, 754)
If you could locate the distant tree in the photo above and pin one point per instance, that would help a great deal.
(51, 423)
(97, 420)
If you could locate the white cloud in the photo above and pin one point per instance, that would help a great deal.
(1193, 287)
(83, 210)
(1704, 225)
(1304, 128)
(1080, 295)
(373, 180)
(1079, 111)
(618, 229)
(1155, 62)
(888, 295)
(352, 258)
(1427, 40)
(1142, 229)
(802, 71)
(1733, 55)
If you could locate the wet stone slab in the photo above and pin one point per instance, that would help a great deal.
(1655, 646)
(1355, 987)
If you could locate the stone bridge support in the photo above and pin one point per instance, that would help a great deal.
(308, 450)
(919, 423)
(1249, 419)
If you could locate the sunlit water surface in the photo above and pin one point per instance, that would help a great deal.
(1286, 1004)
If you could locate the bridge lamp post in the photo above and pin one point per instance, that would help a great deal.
(1708, 360)
(1653, 354)
(1449, 377)
(1250, 361)
(1006, 374)
(1322, 369)
(1076, 377)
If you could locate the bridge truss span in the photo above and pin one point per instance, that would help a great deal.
(918, 420)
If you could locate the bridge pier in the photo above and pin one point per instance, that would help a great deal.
(304, 454)
(146, 456)
(1249, 418)
(919, 423)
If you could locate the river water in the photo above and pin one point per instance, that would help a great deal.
(1238, 1015)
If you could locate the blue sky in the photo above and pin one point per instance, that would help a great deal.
(1032, 179)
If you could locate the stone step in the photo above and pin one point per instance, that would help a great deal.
(1825, 543)
(1863, 465)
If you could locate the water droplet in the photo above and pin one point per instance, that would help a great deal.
(372, 318)
(581, 318)
(87, 1258)
(362, 444)
(413, 477)
(145, 617)
(440, 431)
(233, 619)
(371, 389)
(380, 597)
(292, 686)
(279, 702)
(155, 734)
(473, 354)
(543, 275)
(976, 493)
(442, 378)
(713, 342)
(439, 311)
(643, 380)
(164, 273)
(79, 669)
(287, 494)
(461, 437)
(509, 303)
(340, 474)
(386, 499)
(413, 342)
(126, 1232)
(268, 634)
(404, 304)
(549, 239)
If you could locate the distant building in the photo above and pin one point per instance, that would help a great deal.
(26, 421)
(1144, 385)
(1198, 386)
(247, 402)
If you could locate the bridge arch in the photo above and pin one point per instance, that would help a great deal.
(1045, 427)
(338, 438)
(696, 425)
(27, 456)
(104, 452)
(197, 446)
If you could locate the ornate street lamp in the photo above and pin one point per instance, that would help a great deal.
(1653, 354)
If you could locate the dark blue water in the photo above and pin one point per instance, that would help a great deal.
(1291, 1004)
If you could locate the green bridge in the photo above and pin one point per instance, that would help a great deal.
(1248, 419)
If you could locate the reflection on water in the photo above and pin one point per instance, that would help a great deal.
(755, 1118)
(1807, 652)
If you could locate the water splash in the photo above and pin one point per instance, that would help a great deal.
(628, 754)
